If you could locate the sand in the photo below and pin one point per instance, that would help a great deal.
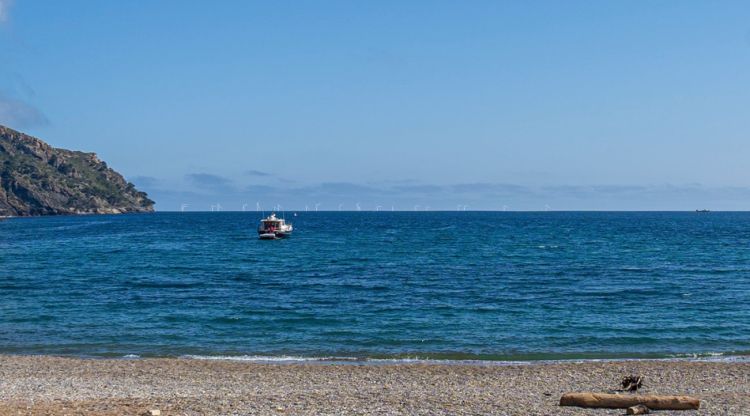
(43, 385)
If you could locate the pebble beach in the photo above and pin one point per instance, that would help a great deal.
(47, 385)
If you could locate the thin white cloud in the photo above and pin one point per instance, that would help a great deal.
(4, 8)
(144, 181)
(210, 182)
(253, 172)
(20, 114)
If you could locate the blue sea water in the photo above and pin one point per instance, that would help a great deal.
(379, 285)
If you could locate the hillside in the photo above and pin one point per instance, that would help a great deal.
(38, 179)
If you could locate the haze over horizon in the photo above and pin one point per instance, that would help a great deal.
(578, 105)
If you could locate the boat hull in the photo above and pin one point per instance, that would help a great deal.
(274, 235)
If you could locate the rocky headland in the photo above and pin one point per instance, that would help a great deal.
(38, 179)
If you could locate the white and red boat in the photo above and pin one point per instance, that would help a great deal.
(271, 228)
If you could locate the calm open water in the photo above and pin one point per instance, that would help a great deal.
(439, 285)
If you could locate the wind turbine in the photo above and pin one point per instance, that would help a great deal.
(183, 206)
(358, 207)
(416, 207)
(244, 207)
(377, 208)
(340, 205)
(257, 206)
(317, 204)
(305, 208)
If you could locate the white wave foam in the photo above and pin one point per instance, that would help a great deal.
(265, 358)
(712, 356)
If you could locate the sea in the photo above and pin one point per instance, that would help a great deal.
(379, 286)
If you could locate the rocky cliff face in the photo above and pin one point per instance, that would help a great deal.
(38, 179)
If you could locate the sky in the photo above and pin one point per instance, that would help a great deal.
(426, 105)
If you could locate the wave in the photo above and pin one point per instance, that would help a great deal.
(688, 357)
(271, 359)
(80, 225)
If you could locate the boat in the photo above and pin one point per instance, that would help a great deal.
(702, 210)
(272, 228)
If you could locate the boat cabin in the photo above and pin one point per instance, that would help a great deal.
(271, 223)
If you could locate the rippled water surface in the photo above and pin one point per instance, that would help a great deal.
(453, 285)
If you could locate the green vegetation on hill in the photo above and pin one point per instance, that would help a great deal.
(38, 179)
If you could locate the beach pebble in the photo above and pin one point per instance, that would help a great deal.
(46, 385)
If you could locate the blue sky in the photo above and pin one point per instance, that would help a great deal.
(490, 104)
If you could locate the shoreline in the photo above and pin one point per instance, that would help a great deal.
(343, 360)
(34, 384)
(729, 357)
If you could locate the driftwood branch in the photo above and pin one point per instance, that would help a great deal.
(617, 401)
